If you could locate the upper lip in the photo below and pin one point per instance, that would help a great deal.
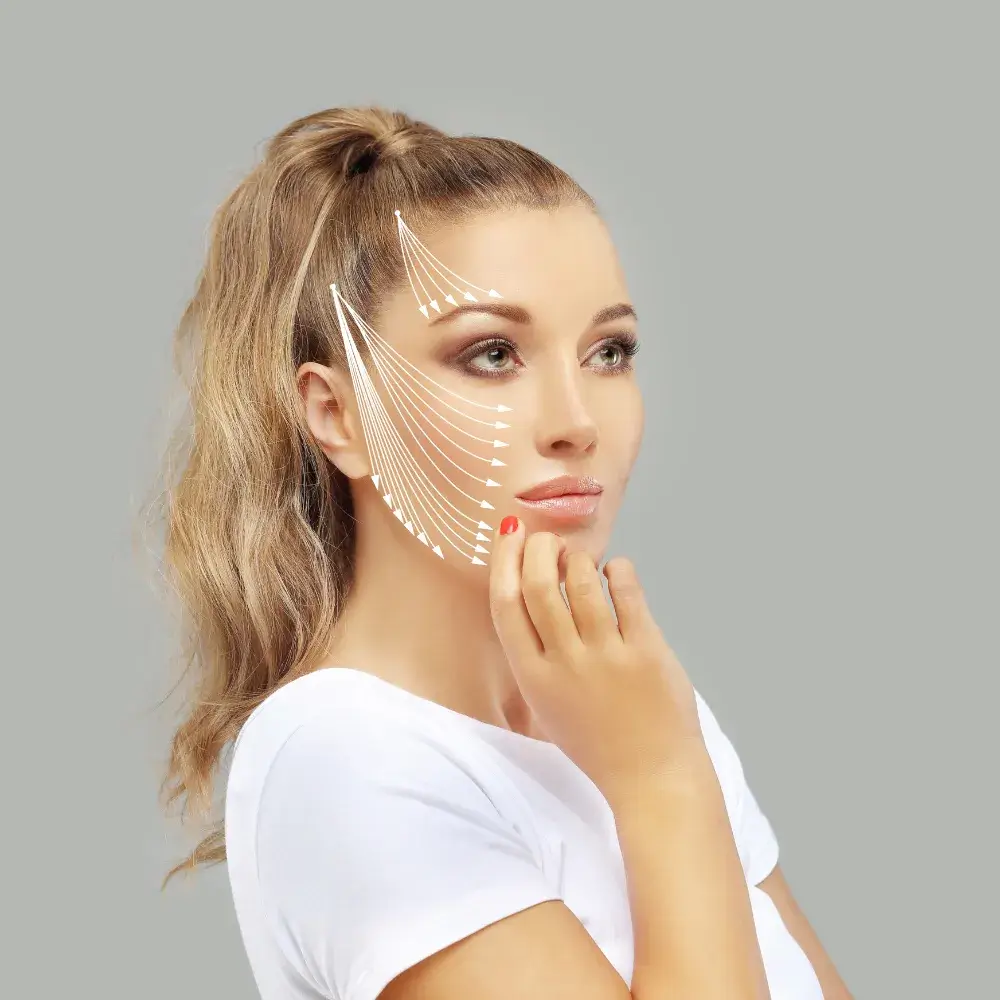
(562, 486)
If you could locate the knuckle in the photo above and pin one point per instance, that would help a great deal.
(628, 591)
(580, 570)
(583, 587)
(535, 588)
(505, 597)
(540, 542)
(617, 657)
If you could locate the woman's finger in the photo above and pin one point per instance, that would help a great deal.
(591, 611)
(634, 618)
(507, 608)
(544, 600)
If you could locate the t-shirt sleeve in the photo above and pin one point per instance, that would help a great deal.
(377, 847)
(755, 837)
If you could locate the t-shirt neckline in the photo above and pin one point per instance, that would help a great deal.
(405, 696)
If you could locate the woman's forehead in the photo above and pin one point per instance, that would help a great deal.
(549, 261)
(524, 239)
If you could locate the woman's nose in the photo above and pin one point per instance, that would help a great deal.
(565, 426)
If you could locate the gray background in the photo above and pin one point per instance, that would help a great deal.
(805, 199)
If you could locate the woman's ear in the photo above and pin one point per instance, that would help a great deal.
(330, 410)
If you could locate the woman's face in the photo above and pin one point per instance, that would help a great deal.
(555, 348)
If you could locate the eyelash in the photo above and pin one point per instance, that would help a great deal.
(627, 343)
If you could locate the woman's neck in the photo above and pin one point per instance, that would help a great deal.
(423, 624)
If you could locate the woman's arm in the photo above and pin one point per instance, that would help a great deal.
(691, 916)
(834, 988)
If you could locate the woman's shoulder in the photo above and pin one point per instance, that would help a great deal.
(335, 734)
(367, 833)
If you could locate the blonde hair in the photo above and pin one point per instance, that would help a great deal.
(259, 540)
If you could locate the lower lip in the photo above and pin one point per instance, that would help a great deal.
(569, 505)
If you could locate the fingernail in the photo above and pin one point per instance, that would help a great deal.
(508, 525)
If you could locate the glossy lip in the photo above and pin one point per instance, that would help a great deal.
(563, 486)
(564, 498)
(567, 507)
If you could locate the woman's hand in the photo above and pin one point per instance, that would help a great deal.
(611, 695)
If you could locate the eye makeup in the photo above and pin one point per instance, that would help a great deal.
(625, 343)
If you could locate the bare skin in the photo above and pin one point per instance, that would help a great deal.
(574, 417)
(578, 418)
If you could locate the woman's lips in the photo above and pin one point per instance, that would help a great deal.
(568, 505)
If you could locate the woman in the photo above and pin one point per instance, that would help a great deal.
(447, 779)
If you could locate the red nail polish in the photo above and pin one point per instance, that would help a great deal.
(508, 525)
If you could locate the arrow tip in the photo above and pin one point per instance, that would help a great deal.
(476, 561)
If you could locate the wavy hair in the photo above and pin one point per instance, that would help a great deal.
(259, 528)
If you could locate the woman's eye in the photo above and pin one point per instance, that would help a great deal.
(495, 357)
(494, 360)
(616, 355)
(610, 355)
(499, 358)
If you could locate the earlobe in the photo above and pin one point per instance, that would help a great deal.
(330, 413)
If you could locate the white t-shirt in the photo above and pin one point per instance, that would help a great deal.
(368, 828)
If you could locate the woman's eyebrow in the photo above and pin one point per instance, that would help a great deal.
(613, 312)
(518, 314)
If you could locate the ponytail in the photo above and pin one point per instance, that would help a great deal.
(259, 542)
